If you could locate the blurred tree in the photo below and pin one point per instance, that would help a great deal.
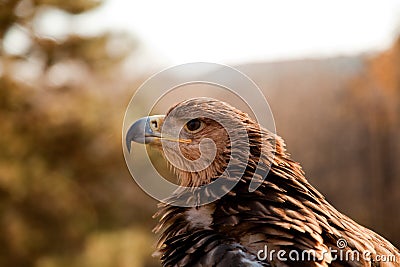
(61, 169)
(376, 95)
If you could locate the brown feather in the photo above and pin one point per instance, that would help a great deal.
(284, 213)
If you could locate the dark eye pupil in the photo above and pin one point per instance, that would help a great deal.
(193, 125)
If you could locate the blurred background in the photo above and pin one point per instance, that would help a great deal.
(330, 71)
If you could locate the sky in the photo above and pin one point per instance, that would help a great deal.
(233, 32)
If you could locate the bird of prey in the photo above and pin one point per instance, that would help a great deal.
(284, 222)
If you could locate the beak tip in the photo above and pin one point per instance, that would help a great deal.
(133, 134)
(128, 146)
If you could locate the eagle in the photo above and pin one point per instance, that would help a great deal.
(285, 221)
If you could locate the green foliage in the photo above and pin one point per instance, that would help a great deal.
(65, 194)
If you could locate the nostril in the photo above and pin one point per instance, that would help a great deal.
(154, 124)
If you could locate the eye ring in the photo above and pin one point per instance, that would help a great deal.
(194, 125)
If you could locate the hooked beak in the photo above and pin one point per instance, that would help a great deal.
(145, 130)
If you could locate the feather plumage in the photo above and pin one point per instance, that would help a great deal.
(285, 213)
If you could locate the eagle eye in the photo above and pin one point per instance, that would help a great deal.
(194, 125)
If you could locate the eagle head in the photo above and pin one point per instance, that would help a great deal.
(199, 137)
